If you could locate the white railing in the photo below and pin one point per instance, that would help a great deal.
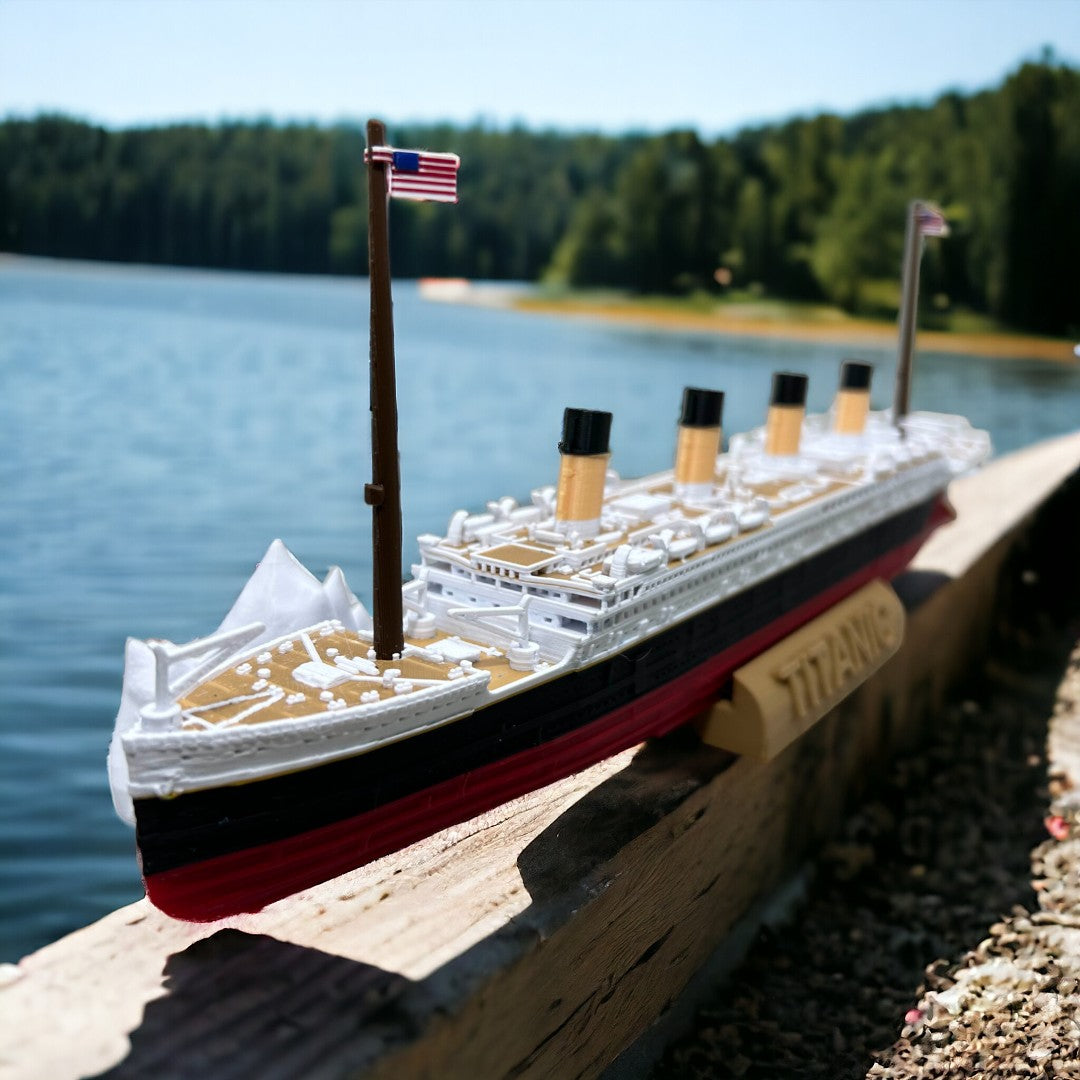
(161, 715)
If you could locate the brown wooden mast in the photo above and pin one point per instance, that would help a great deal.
(383, 494)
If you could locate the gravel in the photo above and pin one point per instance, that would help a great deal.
(888, 970)
(1010, 1006)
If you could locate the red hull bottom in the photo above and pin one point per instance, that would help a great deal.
(248, 880)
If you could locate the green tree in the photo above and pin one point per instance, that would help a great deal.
(1041, 217)
(811, 207)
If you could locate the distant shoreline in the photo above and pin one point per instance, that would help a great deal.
(737, 321)
(852, 333)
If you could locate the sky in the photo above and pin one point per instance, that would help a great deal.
(605, 65)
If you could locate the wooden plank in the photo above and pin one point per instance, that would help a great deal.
(540, 939)
(993, 502)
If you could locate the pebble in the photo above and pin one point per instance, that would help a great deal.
(870, 980)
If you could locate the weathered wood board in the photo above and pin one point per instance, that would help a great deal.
(542, 938)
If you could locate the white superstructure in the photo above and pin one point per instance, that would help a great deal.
(507, 573)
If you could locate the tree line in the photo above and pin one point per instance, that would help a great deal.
(809, 209)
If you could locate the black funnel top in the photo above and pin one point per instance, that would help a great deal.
(788, 388)
(585, 431)
(855, 375)
(701, 408)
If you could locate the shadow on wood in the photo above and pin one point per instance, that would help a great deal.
(243, 1005)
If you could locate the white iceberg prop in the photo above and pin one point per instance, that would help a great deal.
(282, 594)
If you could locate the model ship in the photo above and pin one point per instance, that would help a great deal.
(306, 738)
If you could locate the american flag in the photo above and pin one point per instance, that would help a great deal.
(930, 221)
(417, 174)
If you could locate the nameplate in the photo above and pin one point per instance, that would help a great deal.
(789, 688)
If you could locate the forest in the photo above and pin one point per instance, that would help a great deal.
(808, 209)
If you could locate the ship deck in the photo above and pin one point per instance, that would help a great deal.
(262, 686)
(330, 668)
(517, 549)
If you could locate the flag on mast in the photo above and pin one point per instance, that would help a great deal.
(418, 174)
(930, 221)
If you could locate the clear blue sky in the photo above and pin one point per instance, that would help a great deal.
(610, 65)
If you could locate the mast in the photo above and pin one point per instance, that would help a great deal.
(909, 302)
(383, 494)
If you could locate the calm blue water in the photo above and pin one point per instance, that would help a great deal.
(159, 428)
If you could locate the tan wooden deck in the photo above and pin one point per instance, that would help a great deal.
(222, 699)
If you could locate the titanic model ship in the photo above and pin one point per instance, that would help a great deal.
(305, 738)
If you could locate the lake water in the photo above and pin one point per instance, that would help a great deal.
(159, 428)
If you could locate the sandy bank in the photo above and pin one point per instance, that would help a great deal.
(847, 333)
